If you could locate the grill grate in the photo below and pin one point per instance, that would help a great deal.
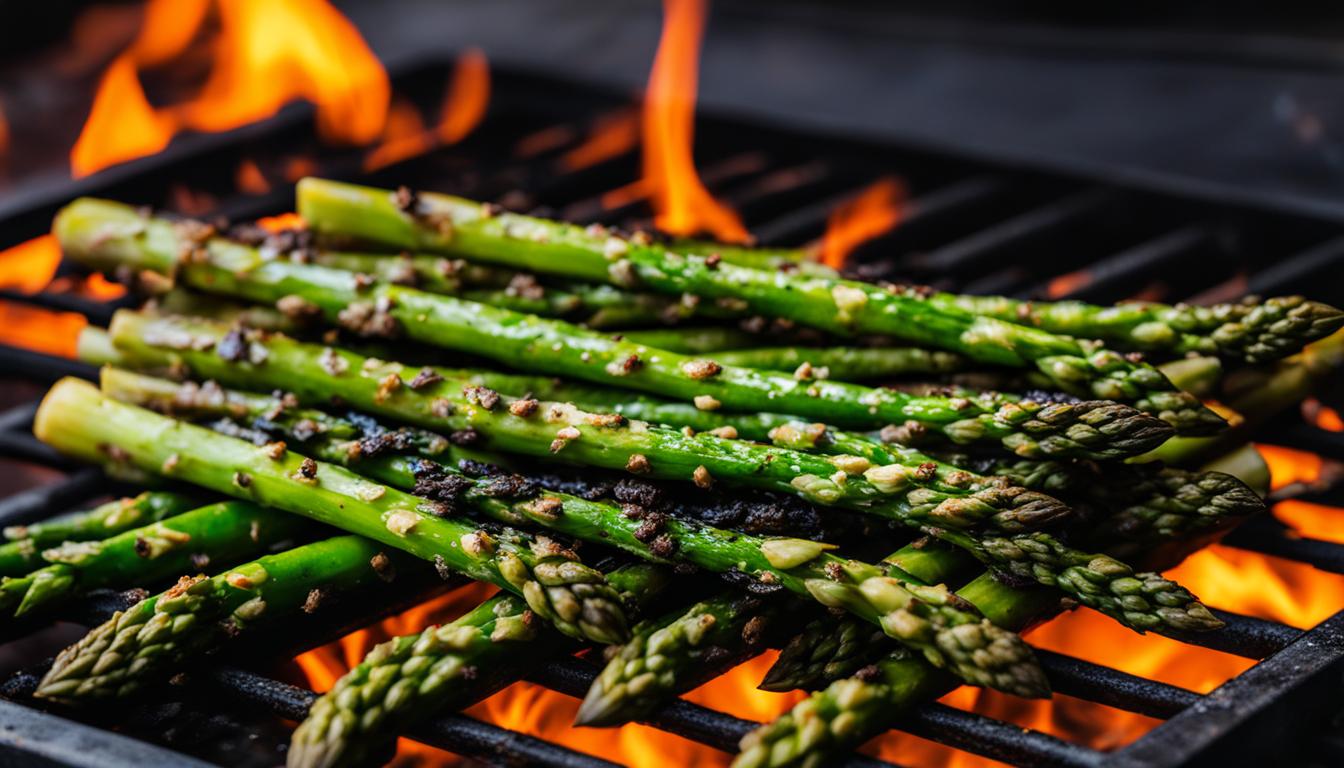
(966, 226)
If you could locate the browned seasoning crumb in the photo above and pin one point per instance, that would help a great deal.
(926, 471)
(701, 369)
(663, 546)
(834, 571)
(523, 408)
(170, 463)
(464, 437)
(712, 260)
(483, 396)
(313, 601)
(624, 367)
(638, 463)
(525, 286)
(424, 377)
(233, 347)
(605, 419)
(382, 565)
(200, 561)
(386, 386)
(332, 362)
(441, 407)
(275, 450)
(548, 507)
(242, 479)
(296, 307)
(181, 587)
(406, 199)
(308, 469)
(803, 372)
(706, 402)
(727, 432)
(768, 577)
(363, 281)
(702, 477)
(753, 632)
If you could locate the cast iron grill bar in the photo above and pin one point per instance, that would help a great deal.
(974, 250)
(39, 367)
(32, 738)
(1294, 272)
(455, 733)
(1270, 537)
(1255, 707)
(1103, 685)
(1102, 277)
(996, 739)
(41, 502)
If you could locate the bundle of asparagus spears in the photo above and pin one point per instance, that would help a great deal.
(611, 399)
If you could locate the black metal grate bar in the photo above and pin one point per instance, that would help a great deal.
(32, 739)
(37, 503)
(455, 733)
(1270, 537)
(996, 739)
(1103, 685)
(1278, 696)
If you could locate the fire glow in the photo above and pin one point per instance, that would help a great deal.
(682, 204)
(875, 210)
(464, 105)
(267, 53)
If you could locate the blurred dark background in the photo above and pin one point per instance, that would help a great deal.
(1235, 101)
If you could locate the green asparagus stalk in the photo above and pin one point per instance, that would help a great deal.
(699, 340)
(667, 656)
(407, 679)
(220, 532)
(107, 234)
(443, 224)
(1253, 330)
(846, 363)
(77, 419)
(900, 492)
(23, 552)
(155, 637)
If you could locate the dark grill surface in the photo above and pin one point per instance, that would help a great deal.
(968, 225)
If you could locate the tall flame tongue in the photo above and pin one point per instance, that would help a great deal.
(464, 104)
(267, 54)
(682, 204)
(871, 213)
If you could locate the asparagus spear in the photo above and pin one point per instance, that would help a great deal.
(699, 340)
(77, 419)
(22, 553)
(1252, 330)
(846, 363)
(220, 532)
(108, 234)
(153, 638)
(664, 656)
(443, 224)
(850, 710)
(891, 490)
(408, 678)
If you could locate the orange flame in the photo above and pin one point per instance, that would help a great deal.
(30, 265)
(40, 330)
(268, 53)
(613, 135)
(1322, 415)
(465, 101)
(682, 204)
(875, 210)
(250, 179)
